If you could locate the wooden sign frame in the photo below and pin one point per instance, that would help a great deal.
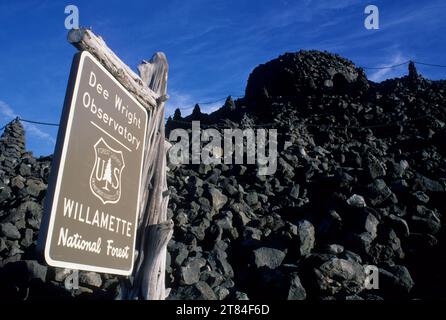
(58, 166)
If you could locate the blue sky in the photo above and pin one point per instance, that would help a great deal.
(212, 46)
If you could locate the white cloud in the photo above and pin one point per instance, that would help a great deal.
(382, 74)
(212, 106)
(36, 132)
(8, 114)
(181, 100)
(6, 110)
(178, 100)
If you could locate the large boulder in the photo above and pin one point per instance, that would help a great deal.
(293, 74)
(340, 276)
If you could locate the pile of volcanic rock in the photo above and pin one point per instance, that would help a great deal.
(360, 181)
(23, 184)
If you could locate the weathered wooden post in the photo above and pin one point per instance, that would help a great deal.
(154, 230)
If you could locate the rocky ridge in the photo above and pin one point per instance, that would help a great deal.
(360, 180)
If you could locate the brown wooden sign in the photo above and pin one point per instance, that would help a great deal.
(92, 201)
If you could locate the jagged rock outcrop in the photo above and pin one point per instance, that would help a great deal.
(361, 162)
(298, 74)
(360, 181)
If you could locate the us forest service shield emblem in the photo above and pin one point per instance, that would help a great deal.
(105, 178)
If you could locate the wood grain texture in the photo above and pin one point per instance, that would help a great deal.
(85, 39)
